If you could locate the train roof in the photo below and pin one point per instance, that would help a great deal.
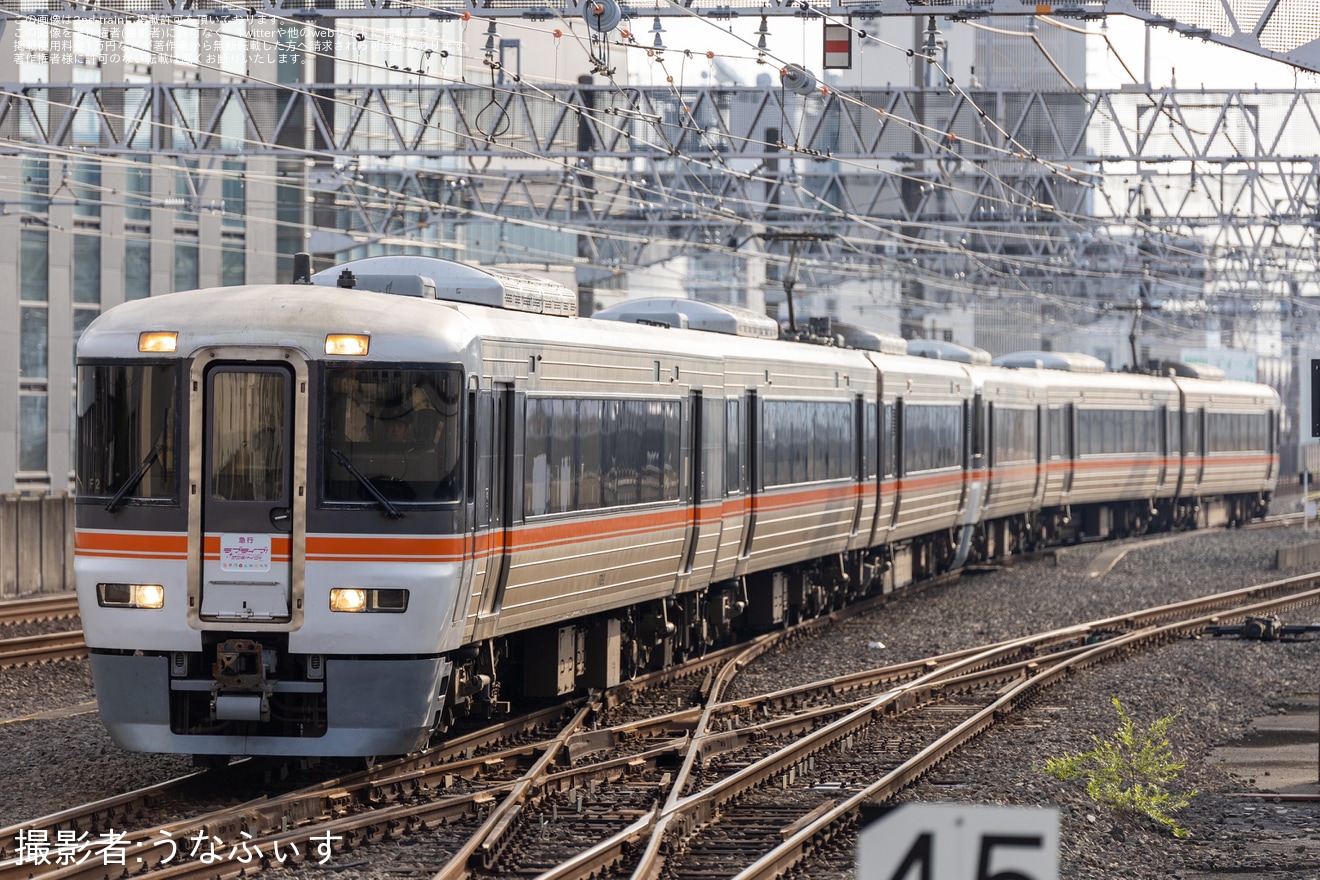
(948, 351)
(436, 278)
(290, 315)
(1068, 362)
(692, 314)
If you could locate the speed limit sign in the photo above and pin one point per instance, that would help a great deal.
(960, 842)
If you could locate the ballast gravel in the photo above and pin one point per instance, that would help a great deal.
(57, 755)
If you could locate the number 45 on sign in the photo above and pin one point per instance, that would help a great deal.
(960, 842)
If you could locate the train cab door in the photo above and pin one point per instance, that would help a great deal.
(248, 469)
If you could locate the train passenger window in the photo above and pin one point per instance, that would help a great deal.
(806, 441)
(1014, 434)
(932, 437)
(127, 430)
(589, 454)
(1238, 432)
(1111, 432)
(399, 429)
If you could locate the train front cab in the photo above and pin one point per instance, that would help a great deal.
(245, 587)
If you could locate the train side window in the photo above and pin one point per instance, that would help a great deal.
(932, 437)
(806, 441)
(589, 454)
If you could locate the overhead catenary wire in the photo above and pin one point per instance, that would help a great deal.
(697, 207)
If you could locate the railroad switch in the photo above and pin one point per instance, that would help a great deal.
(1264, 629)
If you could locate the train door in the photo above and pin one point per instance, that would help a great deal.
(695, 488)
(859, 458)
(732, 490)
(1163, 450)
(499, 482)
(1272, 443)
(895, 436)
(981, 437)
(1069, 446)
(1203, 444)
(1042, 456)
(753, 482)
(249, 468)
(1195, 447)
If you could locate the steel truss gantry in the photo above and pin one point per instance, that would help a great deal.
(1286, 30)
(894, 174)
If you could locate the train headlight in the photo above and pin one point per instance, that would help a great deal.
(150, 596)
(391, 601)
(347, 344)
(348, 599)
(158, 341)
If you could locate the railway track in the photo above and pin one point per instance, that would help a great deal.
(27, 650)
(747, 787)
(57, 607)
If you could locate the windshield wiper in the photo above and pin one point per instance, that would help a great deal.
(136, 477)
(390, 510)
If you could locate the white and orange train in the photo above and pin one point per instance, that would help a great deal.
(327, 518)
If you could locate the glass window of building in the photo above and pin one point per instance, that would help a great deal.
(87, 269)
(185, 266)
(233, 264)
(137, 268)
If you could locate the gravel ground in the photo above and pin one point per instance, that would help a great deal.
(1219, 685)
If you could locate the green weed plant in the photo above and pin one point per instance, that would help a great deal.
(1130, 771)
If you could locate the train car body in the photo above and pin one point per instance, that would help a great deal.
(327, 520)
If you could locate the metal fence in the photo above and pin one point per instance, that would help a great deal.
(36, 544)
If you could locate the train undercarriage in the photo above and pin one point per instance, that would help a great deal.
(604, 650)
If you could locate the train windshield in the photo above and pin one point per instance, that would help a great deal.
(392, 435)
(127, 431)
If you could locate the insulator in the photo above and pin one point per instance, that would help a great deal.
(602, 16)
(798, 79)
